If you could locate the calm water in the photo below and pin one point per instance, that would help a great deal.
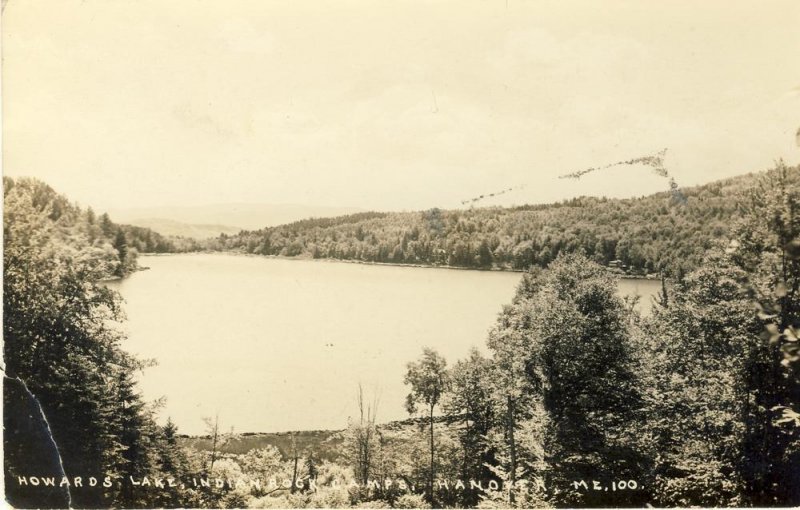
(273, 345)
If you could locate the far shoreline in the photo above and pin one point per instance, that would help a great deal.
(370, 263)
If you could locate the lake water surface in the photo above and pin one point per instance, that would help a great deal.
(274, 345)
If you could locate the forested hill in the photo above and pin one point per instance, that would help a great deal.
(660, 232)
(72, 408)
(78, 229)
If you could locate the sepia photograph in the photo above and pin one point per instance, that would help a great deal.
(400, 254)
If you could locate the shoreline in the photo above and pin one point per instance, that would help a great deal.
(370, 263)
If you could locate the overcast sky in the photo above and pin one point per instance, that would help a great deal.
(392, 105)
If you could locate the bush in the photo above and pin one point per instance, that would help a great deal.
(411, 501)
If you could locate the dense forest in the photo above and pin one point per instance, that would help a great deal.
(579, 401)
(67, 383)
(652, 234)
(117, 245)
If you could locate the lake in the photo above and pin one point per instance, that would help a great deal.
(274, 345)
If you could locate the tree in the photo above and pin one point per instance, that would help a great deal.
(584, 364)
(262, 462)
(513, 393)
(295, 461)
(121, 245)
(564, 386)
(138, 432)
(219, 440)
(106, 225)
(361, 439)
(485, 255)
(696, 383)
(469, 400)
(428, 379)
(172, 462)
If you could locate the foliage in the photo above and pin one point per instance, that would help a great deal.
(362, 440)
(60, 341)
(700, 347)
(470, 401)
(580, 368)
(429, 380)
(766, 248)
(641, 235)
(722, 378)
(411, 501)
(513, 394)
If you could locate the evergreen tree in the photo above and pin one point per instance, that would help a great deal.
(106, 225)
(121, 245)
(172, 464)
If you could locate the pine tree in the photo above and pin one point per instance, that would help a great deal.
(121, 245)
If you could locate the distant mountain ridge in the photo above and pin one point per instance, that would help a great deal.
(231, 216)
(169, 227)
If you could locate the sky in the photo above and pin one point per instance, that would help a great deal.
(398, 105)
